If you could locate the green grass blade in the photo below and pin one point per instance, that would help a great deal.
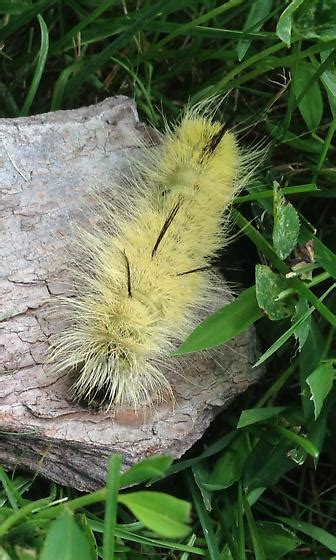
(60, 85)
(307, 445)
(41, 60)
(204, 519)
(255, 415)
(241, 526)
(111, 505)
(312, 531)
(13, 496)
(223, 325)
(133, 537)
(97, 61)
(260, 195)
(66, 40)
(255, 537)
(185, 29)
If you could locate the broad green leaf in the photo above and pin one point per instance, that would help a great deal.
(254, 415)
(316, 533)
(201, 475)
(267, 463)
(147, 470)
(225, 324)
(318, 429)
(254, 495)
(320, 383)
(229, 467)
(316, 18)
(268, 287)
(284, 25)
(65, 540)
(328, 79)
(302, 329)
(325, 257)
(164, 514)
(311, 104)
(310, 356)
(286, 225)
(88, 534)
(277, 540)
(259, 10)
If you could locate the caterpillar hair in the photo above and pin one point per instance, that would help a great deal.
(148, 271)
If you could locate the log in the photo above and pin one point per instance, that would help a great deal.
(48, 165)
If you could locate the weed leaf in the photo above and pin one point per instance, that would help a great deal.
(268, 287)
(161, 513)
(286, 225)
(65, 540)
(309, 95)
(320, 383)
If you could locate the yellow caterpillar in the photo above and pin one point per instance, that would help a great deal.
(148, 272)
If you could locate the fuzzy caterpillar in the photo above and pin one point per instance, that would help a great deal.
(148, 273)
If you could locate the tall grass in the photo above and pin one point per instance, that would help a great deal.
(261, 484)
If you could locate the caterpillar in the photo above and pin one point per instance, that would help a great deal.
(148, 271)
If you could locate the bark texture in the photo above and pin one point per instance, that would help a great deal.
(48, 164)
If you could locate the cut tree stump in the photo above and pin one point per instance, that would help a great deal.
(48, 165)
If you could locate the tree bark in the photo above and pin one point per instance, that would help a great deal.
(48, 165)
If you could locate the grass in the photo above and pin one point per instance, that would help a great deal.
(261, 483)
